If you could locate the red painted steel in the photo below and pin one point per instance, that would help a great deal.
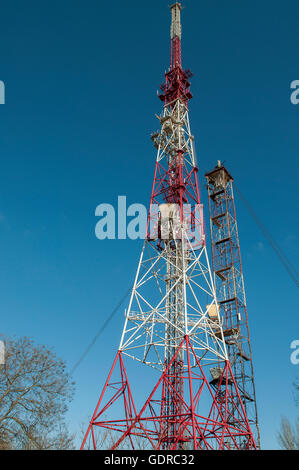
(184, 410)
(195, 430)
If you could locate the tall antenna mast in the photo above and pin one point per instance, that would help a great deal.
(172, 323)
(176, 35)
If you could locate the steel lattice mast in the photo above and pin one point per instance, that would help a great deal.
(229, 282)
(172, 322)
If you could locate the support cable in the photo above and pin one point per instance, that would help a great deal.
(291, 270)
(103, 327)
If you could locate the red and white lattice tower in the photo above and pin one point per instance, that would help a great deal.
(172, 323)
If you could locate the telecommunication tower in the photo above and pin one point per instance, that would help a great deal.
(172, 324)
(229, 283)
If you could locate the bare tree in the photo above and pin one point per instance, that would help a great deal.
(58, 439)
(288, 436)
(34, 392)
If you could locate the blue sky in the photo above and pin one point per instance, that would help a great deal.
(81, 81)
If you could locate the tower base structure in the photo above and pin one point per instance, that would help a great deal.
(200, 419)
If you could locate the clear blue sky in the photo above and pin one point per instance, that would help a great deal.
(81, 80)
